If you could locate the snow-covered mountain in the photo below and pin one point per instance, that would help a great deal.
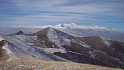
(86, 31)
(83, 49)
(22, 47)
(71, 29)
(54, 45)
(60, 43)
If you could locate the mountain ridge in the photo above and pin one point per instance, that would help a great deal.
(105, 43)
(72, 29)
(52, 44)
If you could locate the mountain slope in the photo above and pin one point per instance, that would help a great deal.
(91, 50)
(3, 54)
(51, 44)
(49, 65)
(20, 49)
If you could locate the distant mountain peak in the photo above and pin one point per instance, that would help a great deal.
(48, 30)
(43, 32)
(62, 25)
(68, 25)
(20, 32)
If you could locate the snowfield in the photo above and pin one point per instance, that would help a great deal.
(6, 47)
(106, 41)
(53, 50)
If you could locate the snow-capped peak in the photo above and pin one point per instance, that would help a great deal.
(73, 25)
(62, 25)
(65, 25)
(70, 25)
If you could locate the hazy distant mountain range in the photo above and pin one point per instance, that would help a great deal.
(71, 29)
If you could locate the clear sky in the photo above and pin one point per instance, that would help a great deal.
(109, 13)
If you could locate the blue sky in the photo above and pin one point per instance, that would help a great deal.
(109, 13)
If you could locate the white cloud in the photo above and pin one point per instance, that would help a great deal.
(54, 11)
(59, 6)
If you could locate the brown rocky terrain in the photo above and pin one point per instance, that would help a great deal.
(49, 65)
(3, 55)
(99, 53)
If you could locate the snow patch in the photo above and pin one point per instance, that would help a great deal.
(30, 43)
(75, 52)
(67, 41)
(106, 41)
(85, 45)
(6, 47)
(52, 50)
